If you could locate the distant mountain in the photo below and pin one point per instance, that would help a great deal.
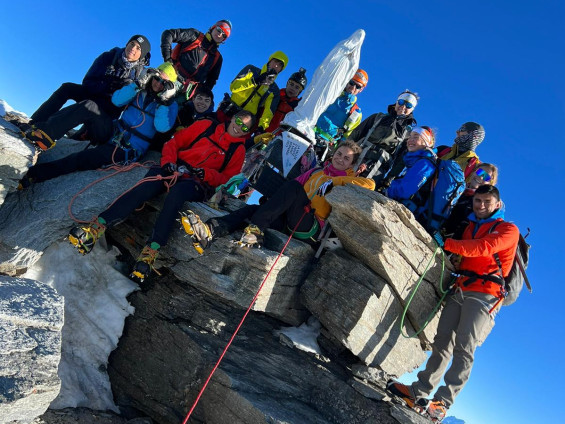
(452, 420)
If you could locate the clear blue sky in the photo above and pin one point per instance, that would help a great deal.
(499, 63)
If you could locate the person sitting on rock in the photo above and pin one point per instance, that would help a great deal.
(469, 136)
(298, 205)
(196, 56)
(151, 110)
(255, 88)
(110, 71)
(194, 162)
(344, 115)
(487, 249)
(383, 136)
(458, 220)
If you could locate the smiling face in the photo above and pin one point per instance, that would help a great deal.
(477, 180)
(353, 87)
(157, 83)
(235, 128)
(415, 142)
(202, 103)
(343, 158)
(485, 204)
(133, 51)
(218, 35)
(402, 110)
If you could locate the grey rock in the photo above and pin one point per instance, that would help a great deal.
(362, 312)
(31, 320)
(405, 415)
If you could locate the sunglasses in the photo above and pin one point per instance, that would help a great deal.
(402, 102)
(240, 123)
(221, 32)
(354, 84)
(483, 175)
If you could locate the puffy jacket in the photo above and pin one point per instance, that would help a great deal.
(286, 104)
(196, 64)
(478, 247)
(265, 96)
(108, 72)
(314, 178)
(335, 116)
(419, 167)
(206, 152)
(143, 116)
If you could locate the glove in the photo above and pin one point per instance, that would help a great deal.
(266, 78)
(145, 76)
(169, 168)
(438, 239)
(168, 93)
(325, 188)
(264, 138)
(198, 173)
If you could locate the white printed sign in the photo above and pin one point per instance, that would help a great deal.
(293, 149)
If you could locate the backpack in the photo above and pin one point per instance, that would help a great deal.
(446, 186)
(514, 281)
(178, 50)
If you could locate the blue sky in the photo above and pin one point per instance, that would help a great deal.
(499, 63)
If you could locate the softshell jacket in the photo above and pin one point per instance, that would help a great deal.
(334, 117)
(198, 62)
(243, 87)
(107, 69)
(207, 152)
(389, 132)
(314, 178)
(419, 167)
(478, 247)
(286, 104)
(468, 160)
(143, 116)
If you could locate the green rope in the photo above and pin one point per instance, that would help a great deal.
(444, 293)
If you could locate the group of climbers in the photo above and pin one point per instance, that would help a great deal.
(126, 108)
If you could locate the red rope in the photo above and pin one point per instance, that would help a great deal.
(241, 322)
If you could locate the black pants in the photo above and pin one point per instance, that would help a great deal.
(185, 189)
(281, 212)
(76, 92)
(81, 161)
(98, 123)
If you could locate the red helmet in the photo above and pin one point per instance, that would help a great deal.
(361, 77)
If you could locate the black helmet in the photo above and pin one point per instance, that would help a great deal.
(300, 77)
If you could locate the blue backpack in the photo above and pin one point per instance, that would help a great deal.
(446, 186)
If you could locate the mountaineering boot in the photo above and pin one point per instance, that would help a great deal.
(252, 237)
(84, 238)
(402, 391)
(197, 230)
(145, 261)
(436, 410)
(39, 138)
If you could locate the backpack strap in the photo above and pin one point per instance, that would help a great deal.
(228, 155)
(204, 134)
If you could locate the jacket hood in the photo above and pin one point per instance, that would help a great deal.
(496, 215)
(412, 157)
(279, 56)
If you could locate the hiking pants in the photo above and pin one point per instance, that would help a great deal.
(85, 160)
(98, 123)
(71, 91)
(185, 189)
(463, 325)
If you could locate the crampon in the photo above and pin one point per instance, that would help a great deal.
(144, 264)
(252, 237)
(84, 238)
(198, 231)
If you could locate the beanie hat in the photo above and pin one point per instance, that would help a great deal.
(408, 96)
(225, 25)
(143, 42)
(426, 134)
(168, 69)
(469, 142)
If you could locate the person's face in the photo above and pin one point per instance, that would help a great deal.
(415, 142)
(461, 133)
(276, 65)
(293, 89)
(133, 51)
(403, 109)
(478, 180)
(218, 35)
(157, 83)
(353, 87)
(484, 205)
(238, 127)
(202, 103)
(342, 158)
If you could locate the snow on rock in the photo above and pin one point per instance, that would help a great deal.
(95, 310)
(31, 319)
(6, 108)
(302, 337)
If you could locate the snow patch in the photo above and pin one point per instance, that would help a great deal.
(6, 108)
(303, 337)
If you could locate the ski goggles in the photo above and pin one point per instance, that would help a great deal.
(402, 102)
(240, 123)
(483, 175)
(354, 84)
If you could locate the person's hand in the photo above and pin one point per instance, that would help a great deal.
(168, 93)
(145, 76)
(266, 78)
(325, 188)
(198, 173)
(264, 138)
(169, 168)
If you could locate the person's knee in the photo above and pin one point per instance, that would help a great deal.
(91, 105)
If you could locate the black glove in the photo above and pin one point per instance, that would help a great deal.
(145, 76)
(325, 188)
(169, 168)
(266, 78)
(198, 173)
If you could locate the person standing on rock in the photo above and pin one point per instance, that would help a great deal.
(194, 162)
(298, 202)
(487, 252)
